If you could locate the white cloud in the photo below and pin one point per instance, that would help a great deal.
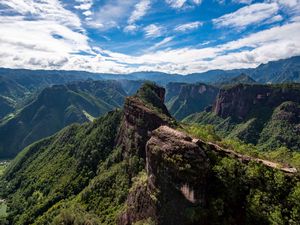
(188, 26)
(130, 28)
(54, 36)
(87, 13)
(152, 31)
(178, 4)
(248, 15)
(42, 10)
(160, 44)
(112, 14)
(140, 10)
(243, 1)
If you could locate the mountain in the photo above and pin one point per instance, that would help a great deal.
(241, 79)
(56, 107)
(137, 166)
(285, 70)
(185, 99)
(266, 115)
(281, 71)
(7, 106)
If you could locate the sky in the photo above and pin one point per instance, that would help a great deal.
(123, 36)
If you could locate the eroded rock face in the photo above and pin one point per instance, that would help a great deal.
(141, 117)
(173, 158)
(241, 100)
(176, 168)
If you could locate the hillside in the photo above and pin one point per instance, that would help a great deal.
(184, 99)
(55, 108)
(266, 115)
(135, 167)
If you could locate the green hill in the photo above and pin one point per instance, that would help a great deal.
(55, 108)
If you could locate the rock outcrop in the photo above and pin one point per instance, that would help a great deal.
(176, 171)
(143, 113)
(242, 100)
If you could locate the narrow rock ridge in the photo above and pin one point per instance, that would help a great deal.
(244, 158)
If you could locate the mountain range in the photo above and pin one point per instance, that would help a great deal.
(137, 165)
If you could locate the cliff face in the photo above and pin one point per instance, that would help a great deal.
(176, 171)
(242, 101)
(185, 99)
(143, 113)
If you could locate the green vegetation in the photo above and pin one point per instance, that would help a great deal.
(83, 175)
(281, 155)
(51, 173)
(55, 108)
(251, 194)
(267, 116)
(3, 166)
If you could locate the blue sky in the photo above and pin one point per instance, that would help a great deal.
(122, 36)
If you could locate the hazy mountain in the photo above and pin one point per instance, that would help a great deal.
(280, 71)
(135, 166)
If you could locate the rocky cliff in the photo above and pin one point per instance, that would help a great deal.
(185, 99)
(176, 171)
(243, 101)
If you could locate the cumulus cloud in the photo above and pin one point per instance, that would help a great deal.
(188, 26)
(248, 15)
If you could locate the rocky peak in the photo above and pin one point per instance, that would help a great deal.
(143, 113)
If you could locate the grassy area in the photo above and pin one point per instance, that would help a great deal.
(3, 165)
(3, 212)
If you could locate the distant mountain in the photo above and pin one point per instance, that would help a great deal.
(7, 106)
(241, 79)
(285, 70)
(56, 107)
(184, 99)
(264, 115)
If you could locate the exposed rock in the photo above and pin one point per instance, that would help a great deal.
(239, 101)
(140, 117)
(176, 168)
